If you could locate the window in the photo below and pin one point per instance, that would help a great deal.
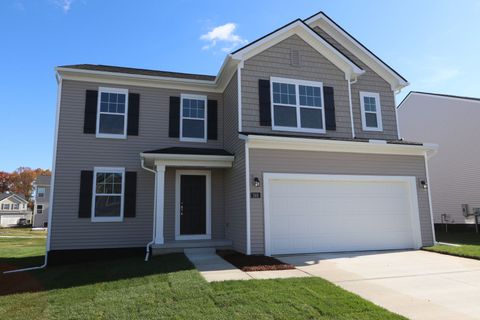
(41, 192)
(15, 206)
(108, 191)
(6, 206)
(193, 118)
(39, 209)
(112, 112)
(371, 111)
(297, 105)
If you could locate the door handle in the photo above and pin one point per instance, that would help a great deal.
(181, 208)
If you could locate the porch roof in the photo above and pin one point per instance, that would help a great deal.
(190, 157)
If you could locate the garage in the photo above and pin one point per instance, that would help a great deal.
(8, 221)
(307, 213)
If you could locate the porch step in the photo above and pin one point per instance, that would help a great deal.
(185, 245)
(195, 251)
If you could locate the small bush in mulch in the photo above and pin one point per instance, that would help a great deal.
(253, 262)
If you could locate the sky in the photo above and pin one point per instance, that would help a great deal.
(433, 44)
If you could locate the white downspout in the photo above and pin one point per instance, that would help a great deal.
(52, 181)
(147, 254)
(351, 105)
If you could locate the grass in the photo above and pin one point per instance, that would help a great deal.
(469, 244)
(166, 287)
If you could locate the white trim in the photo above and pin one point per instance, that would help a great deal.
(98, 134)
(411, 182)
(297, 106)
(94, 194)
(396, 113)
(430, 206)
(159, 204)
(239, 95)
(305, 144)
(350, 106)
(352, 45)
(36, 208)
(208, 204)
(378, 106)
(312, 38)
(247, 202)
(194, 97)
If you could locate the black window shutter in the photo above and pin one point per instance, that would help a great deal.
(329, 103)
(130, 194)
(174, 118)
(85, 203)
(90, 119)
(212, 120)
(133, 114)
(264, 102)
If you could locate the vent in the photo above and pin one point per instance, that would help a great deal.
(294, 58)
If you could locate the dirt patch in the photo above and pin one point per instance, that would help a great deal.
(253, 262)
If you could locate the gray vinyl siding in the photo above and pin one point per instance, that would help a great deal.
(218, 220)
(370, 81)
(235, 202)
(275, 62)
(40, 219)
(285, 161)
(77, 151)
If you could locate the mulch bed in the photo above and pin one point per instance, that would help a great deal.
(253, 262)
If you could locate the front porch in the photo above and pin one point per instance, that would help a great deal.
(189, 198)
(181, 245)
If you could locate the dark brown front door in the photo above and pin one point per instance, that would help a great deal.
(193, 218)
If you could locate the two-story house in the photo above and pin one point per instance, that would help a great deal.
(41, 201)
(13, 210)
(292, 147)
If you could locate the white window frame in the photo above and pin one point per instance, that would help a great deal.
(297, 83)
(5, 206)
(375, 95)
(194, 97)
(15, 206)
(43, 193)
(94, 194)
(99, 100)
(41, 210)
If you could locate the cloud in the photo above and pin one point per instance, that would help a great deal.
(225, 36)
(65, 5)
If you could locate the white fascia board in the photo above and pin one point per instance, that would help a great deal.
(318, 43)
(305, 144)
(351, 44)
(189, 160)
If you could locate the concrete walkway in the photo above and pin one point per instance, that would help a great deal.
(415, 284)
(213, 268)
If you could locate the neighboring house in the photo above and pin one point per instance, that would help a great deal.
(450, 121)
(13, 208)
(41, 201)
(293, 147)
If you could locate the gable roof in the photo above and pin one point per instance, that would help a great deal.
(438, 95)
(43, 180)
(6, 195)
(301, 29)
(320, 19)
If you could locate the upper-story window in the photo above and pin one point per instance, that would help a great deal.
(371, 111)
(297, 105)
(108, 193)
(193, 118)
(39, 208)
(6, 206)
(112, 113)
(40, 192)
(15, 206)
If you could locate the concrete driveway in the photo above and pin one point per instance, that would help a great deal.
(415, 284)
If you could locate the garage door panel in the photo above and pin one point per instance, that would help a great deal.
(329, 215)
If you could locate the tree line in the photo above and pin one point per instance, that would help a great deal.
(21, 180)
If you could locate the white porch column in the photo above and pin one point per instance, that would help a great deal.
(160, 205)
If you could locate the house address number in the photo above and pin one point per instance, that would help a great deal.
(255, 195)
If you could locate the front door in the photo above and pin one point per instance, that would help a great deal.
(193, 218)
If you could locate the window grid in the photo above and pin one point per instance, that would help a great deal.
(109, 187)
(112, 113)
(193, 120)
(371, 111)
(308, 95)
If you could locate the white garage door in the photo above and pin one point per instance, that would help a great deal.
(8, 221)
(333, 213)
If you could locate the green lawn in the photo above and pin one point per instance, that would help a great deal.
(166, 287)
(469, 244)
